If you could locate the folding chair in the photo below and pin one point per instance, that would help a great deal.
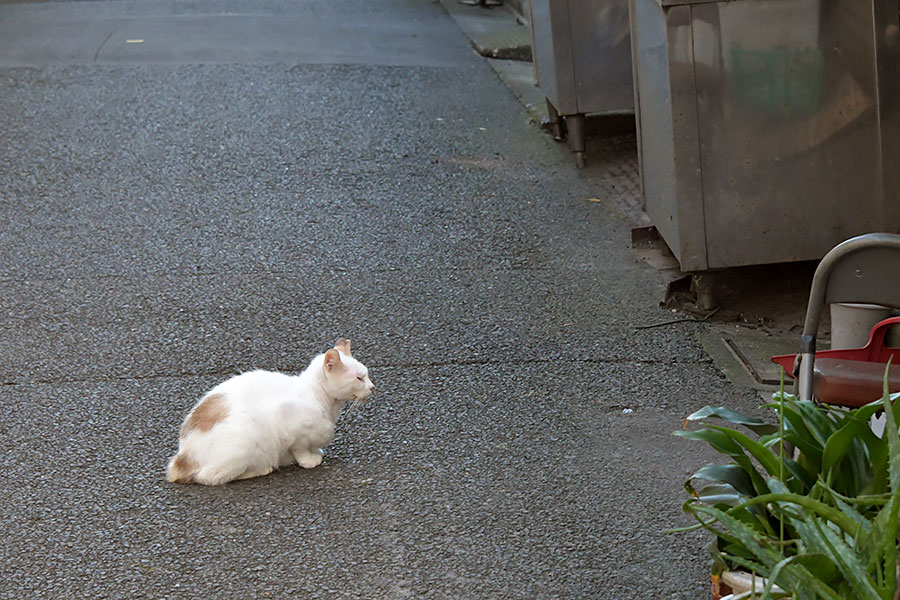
(864, 269)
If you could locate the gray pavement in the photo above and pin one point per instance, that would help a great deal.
(169, 220)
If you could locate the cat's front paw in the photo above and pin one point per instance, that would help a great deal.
(310, 460)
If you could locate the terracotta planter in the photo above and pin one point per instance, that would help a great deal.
(734, 583)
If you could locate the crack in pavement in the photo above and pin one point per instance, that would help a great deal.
(274, 272)
(228, 371)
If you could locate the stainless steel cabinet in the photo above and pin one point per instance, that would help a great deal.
(768, 129)
(582, 59)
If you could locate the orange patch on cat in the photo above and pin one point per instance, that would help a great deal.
(182, 469)
(205, 415)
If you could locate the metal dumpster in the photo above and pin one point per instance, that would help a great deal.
(768, 129)
(582, 62)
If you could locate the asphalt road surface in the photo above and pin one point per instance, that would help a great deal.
(197, 188)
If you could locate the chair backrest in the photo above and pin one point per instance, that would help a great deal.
(863, 269)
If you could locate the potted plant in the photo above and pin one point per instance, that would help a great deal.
(808, 507)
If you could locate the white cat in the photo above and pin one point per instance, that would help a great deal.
(258, 421)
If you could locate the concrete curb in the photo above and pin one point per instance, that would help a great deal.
(499, 35)
(495, 32)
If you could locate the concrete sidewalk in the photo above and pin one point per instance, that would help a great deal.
(171, 221)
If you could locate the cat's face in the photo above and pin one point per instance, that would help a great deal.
(347, 378)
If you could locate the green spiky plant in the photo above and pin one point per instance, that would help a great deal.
(820, 521)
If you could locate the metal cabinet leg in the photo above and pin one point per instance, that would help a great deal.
(557, 126)
(575, 125)
(704, 287)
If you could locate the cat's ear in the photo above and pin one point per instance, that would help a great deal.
(343, 345)
(333, 361)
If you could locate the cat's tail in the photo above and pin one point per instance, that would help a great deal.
(182, 468)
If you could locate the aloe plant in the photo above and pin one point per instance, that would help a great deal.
(810, 504)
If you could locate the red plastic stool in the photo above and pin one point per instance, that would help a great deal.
(855, 376)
